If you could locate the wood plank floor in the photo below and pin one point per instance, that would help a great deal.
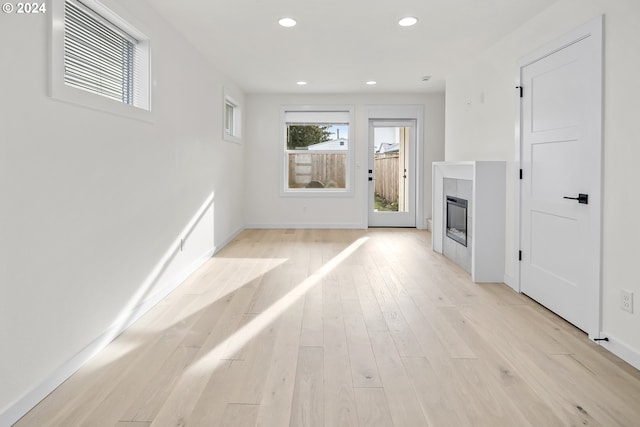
(344, 328)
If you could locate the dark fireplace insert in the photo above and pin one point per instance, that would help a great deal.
(457, 219)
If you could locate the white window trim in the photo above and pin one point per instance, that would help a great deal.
(285, 191)
(236, 136)
(60, 91)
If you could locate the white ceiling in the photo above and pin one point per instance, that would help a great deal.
(340, 44)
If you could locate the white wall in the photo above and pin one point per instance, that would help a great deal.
(265, 207)
(480, 124)
(93, 205)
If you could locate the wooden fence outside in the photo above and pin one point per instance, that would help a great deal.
(329, 169)
(386, 167)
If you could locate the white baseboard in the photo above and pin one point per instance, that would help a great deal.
(32, 398)
(621, 349)
(340, 226)
(60, 375)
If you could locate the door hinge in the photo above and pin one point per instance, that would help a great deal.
(520, 173)
(521, 89)
(519, 255)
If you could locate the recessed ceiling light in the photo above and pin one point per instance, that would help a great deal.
(408, 21)
(372, 82)
(301, 83)
(287, 22)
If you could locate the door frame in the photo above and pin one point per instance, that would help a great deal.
(593, 28)
(405, 218)
(398, 112)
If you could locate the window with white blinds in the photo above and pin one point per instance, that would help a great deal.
(317, 150)
(97, 52)
(98, 56)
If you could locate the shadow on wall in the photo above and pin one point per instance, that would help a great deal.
(191, 247)
(169, 269)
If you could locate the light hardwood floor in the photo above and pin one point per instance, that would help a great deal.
(344, 328)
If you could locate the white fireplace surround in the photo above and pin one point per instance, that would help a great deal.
(487, 214)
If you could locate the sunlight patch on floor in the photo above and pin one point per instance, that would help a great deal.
(253, 269)
(110, 354)
(234, 343)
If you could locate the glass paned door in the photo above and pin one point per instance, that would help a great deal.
(392, 173)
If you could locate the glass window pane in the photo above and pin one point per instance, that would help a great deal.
(228, 119)
(317, 137)
(316, 149)
(317, 169)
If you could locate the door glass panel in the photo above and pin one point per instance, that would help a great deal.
(390, 169)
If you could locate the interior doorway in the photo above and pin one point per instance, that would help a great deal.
(561, 176)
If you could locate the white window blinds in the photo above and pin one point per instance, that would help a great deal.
(316, 117)
(98, 56)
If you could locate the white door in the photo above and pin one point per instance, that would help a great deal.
(392, 173)
(561, 178)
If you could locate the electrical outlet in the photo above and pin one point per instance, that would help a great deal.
(626, 300)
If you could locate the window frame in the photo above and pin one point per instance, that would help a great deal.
(236, 132)
(122, 20)
(348, 191)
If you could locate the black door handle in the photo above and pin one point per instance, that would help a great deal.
(582, 198)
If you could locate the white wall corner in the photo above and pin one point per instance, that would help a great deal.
(217, 248)
(511, 282)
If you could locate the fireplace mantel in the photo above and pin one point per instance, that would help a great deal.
(487, 214)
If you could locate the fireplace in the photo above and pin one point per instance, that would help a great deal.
(457, 219)
(483, 185)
